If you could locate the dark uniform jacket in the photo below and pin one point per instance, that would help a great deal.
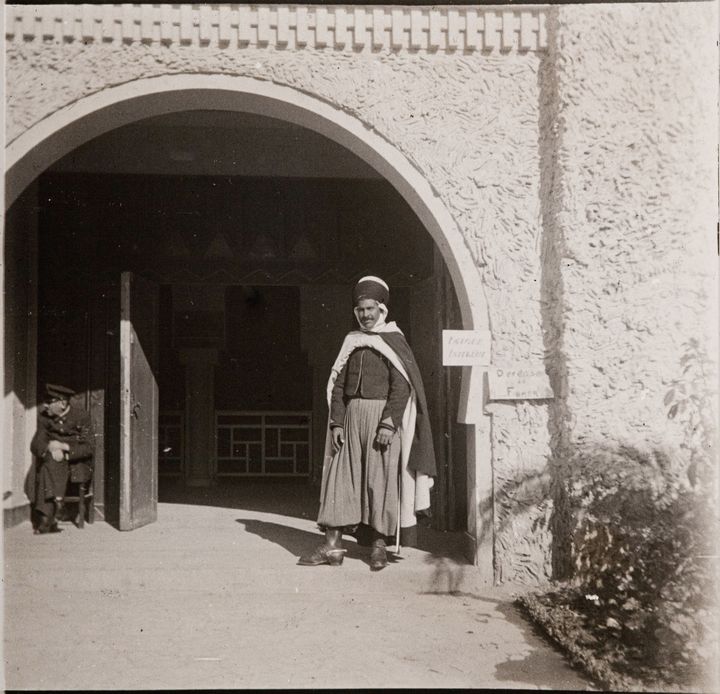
(48, 478)
(368, 374)
(74, 428)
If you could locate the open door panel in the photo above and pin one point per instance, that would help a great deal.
(138, 401)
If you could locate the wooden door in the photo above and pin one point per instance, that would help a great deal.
(138, 401)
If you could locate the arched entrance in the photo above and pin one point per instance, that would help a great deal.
(58, 134)
(70, 127)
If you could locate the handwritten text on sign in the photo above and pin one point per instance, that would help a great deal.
(519, 383)
(466, 347)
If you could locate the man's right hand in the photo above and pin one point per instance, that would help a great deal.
(338, 438)
(57, 450)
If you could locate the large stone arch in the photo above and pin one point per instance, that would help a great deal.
(48, 140)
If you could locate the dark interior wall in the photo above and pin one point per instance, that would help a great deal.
(229, 230)
(63, 325)
(262, 237)
(262, 366)
(171, 375)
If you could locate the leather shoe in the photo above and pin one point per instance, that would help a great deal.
(378, 556)
(45, 528)
(323, 554)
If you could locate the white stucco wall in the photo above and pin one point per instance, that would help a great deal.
(20, 295)
(637, 100)
(633, 206)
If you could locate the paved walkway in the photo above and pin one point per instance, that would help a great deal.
(210, 597)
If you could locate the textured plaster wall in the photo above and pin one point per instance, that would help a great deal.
(469, 123)
(630, 210)
(20, 237)
(637, 190)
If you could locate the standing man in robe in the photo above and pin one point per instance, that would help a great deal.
(64, 437)
(379, 455)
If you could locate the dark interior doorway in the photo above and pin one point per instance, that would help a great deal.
(258, 269)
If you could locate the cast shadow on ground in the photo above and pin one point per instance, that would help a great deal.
(298, 542)
(536, 671)
(295, 499)
(292, 499)
(535, 668)
(450, 576)
(447, 577)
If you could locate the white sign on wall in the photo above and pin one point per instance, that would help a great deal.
(466, 347)
(524, 382)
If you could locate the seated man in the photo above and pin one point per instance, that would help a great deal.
(64, 438)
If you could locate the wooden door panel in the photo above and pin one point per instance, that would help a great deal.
(138, 401)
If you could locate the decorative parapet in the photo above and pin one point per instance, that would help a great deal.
(336, 27)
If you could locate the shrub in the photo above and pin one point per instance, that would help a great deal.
(646, 579)
(643, 542)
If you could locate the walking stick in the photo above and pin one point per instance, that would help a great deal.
(399, 482)
(385, 452)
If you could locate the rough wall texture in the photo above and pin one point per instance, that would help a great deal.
(20, 237)
(631, 212)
